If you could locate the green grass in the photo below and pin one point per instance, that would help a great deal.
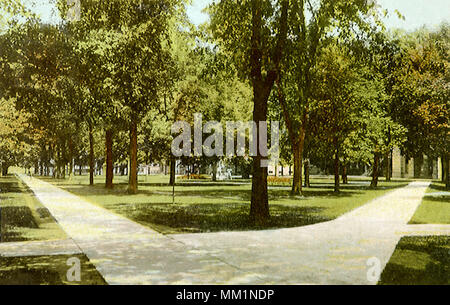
(46, 270)
(206, 206)
(434, 209)
(23, 217)
(419, 261)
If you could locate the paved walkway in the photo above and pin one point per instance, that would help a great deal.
(335, 252)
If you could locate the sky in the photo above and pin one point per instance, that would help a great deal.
(417, 12)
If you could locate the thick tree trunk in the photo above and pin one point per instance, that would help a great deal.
(336, 169)
(172, 171)
(259, 208)
(307, 183)
(133, 174)
(388, 167)
(91, 156)
(376, 165)
(262, 87)
(109, 159)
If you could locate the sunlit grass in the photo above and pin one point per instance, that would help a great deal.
(434, 209)
(204, 206)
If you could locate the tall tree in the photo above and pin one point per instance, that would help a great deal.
(311, 23)
(254, 34)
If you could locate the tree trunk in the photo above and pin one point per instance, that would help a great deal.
(91, 156)
(133, 174)
(214, 172)
(71, 161)
(307, 183)
(36, 168)
(259, 208)
(5, 168)
(388, 167)
(444, 169)
(109, 159)
(447, 183)
(376, 165)
(58, 162)
(298, 163)
(172, 171)
(344, 173)
(336, 169)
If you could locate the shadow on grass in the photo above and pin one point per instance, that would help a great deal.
(438, 187)
(440, 199)
(404, 268)
(216, 217)
(45, 270)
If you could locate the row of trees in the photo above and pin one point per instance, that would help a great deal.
(107, 88)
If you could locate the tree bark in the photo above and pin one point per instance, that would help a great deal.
(214, 172)
(444, 169)
(5, 168)
(336, 169)
(71, 161)
(298, 163)
(172, 171)
(262, 86)
(91, 155)
(376, 165)
(307, 183)
(447, 183)
(133, 174)
(388, 167)
(109, 159)
(344, 173)
(259, 208)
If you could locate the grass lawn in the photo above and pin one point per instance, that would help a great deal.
(22, 216)
(46, 270)
(435, 207)
(419, 261)
(206, 206)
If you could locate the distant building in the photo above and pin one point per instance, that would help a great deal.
(424, 167)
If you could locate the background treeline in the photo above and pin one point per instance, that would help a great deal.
(106, 88)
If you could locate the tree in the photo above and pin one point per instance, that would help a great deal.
(307, 35)
(133, 32)
(254, 34)
(421, 94)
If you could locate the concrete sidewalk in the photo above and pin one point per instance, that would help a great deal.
(125, 252)
(336, 252)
